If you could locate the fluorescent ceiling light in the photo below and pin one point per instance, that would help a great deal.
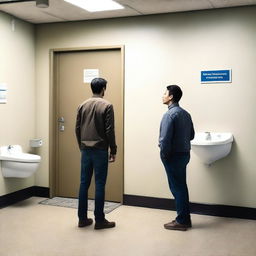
(96, 5)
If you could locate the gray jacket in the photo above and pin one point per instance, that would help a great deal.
(176, 131)
(95, 125)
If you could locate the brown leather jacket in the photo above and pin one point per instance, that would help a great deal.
(95, 125)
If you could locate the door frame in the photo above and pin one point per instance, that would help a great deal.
(53, 138)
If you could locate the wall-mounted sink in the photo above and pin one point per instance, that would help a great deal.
(211, 146)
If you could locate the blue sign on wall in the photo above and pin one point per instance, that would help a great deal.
(216, 76)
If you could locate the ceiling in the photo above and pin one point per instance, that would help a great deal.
(60, 11)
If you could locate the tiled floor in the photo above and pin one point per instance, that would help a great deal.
(32, 229)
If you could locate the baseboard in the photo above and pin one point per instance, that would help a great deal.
(197, 208)
(143, 201)
(23, 194)
(41, 191)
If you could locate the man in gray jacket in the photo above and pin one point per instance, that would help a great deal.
(176, 131)
(95, 135)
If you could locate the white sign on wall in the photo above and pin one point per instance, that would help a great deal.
(90, 74)
(3, 93)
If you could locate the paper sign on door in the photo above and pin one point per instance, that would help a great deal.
(90, 74)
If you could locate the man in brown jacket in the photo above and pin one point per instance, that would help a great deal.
(95, 135)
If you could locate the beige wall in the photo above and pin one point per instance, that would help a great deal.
(160, 50)
(17, 69)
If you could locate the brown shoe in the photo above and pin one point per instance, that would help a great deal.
(104, 224)
(84, 223)
(174, 225)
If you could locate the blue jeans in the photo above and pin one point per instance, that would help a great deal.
(175, 167)
(93, 160)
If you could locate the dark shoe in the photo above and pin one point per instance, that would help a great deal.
(174, 225)
(189, 225)
(104, 224)
(84, 223)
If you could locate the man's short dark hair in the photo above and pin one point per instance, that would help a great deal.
(97, 85)
(175, 91)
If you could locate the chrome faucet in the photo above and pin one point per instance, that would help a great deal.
(208, 136)
(10, 147)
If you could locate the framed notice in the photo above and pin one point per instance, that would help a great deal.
(216, 76)
(3, 93)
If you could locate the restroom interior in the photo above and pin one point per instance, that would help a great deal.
(159, 50)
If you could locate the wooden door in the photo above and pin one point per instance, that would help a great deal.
(72, 91)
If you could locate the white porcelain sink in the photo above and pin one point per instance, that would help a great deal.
(17, 164)
(211, 146)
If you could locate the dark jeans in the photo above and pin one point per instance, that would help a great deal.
(175, 167)
(93, 160)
